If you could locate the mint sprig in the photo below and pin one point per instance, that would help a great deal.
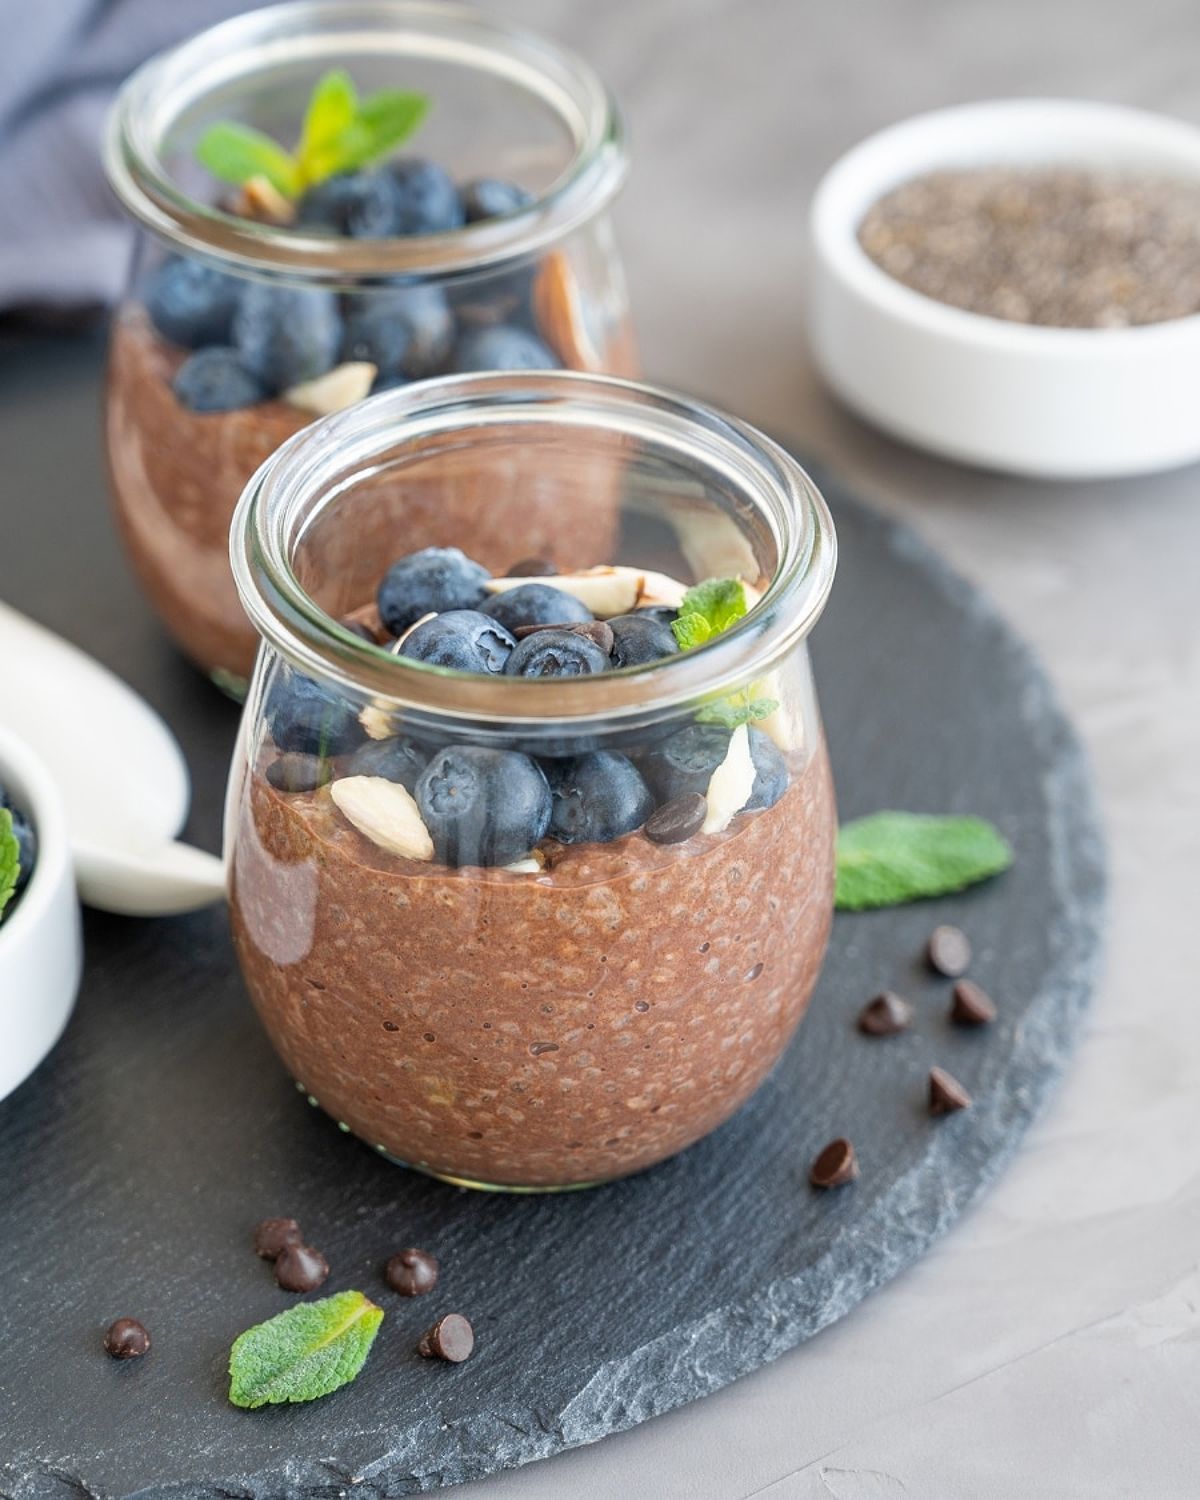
(707, 610)
(893, 857)
(305, 1352)
(341, 133)
(737, 709)
(10, 858)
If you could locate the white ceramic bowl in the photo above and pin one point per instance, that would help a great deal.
(1060, 403)
(40, 943)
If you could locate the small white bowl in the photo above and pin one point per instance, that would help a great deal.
(41, 947)
(1060, 403)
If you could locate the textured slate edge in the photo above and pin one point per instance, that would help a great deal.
(761, 1326)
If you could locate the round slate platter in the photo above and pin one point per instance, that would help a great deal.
(134, 1164)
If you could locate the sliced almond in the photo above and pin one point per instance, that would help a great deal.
(661, 588)
(730, 785)
(786, 725)
(339, 388)
(384, 812)
(376, 721)
(260, 199)
(607, 591)
(558, 308)
(394, 648)
(533, 864)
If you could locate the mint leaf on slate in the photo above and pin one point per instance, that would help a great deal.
(893, 857)
(235, 153)
(10, 858)
(305, 1352)
(708, 609)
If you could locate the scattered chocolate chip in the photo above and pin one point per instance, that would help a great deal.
(273, 1236)
(971, 1005)
(451, 1337)
(948, 951)
(294, 772)
(835, 1165)
(532, 567)
(300, 1268)
(412, 1273)
(127, 1339)
(946, 1094)
(677, 820)
(595, 630)
(887, 1014)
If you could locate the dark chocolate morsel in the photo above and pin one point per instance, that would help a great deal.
(971, 1005)
(412, 1273)
(835, 1165)
(946, 1094)
(300, 1268)
(451, 1338)
(274, 1235)
(948, 951)
(677, 820)
(127, 1339)
(887, 1014)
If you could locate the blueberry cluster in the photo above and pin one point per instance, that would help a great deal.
(485, 806)
(254, 340)
(26, 849)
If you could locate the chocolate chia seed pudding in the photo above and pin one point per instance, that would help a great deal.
(533, 1029)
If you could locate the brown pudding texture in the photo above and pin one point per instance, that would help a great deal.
(533, 1031)
(176, 477)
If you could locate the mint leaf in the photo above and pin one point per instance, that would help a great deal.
(10, 858)
(708, 609)
(305, 1352)
(331, 109)
(893, 857)
(736, 710)
(235, 153)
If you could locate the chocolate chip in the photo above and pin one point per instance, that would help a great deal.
(971, 1005)
(835, 1165)
(594, 630)
(274, 1235)
(948, 951)
(532, 567)
(127, 1339)
(677, 820)
(946, 1094)
(412, 1273)
(300, 1268)
(294, 772)
(887, 1014)
(451, 1337)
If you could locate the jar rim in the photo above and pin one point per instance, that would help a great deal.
(154, 97)
(271, 515)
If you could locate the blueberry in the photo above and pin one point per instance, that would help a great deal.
(285, 335)
(303, 716)
(430, 582)
(483, 807)
(405, 330)
(493, 297)
(685, 763)
(771, 772)
(501, 348)
(597, 797)
(396, 759)
(463, 639)
(556, 653)
(536, 604)
(663, 612)
(639, 639)
(216, 380)
(427, 201)
(363, 205)
(492, 198)
(192, 304)
(26, 841)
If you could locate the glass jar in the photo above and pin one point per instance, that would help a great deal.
(287, 303)
(521, 932)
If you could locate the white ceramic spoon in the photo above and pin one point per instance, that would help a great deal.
(120, 772)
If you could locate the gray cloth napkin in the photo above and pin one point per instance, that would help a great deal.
(64, 243)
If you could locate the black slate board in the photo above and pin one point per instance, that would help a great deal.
(134, 1163)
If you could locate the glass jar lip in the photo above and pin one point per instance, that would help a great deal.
(157, 93)
(315, 644)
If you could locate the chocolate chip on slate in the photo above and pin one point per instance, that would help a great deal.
(300, 1268)
(948, 951)
(887, 1014)
(835, 1165)
(295, 772)
(946, 1094)
(677, 820)
(412, 1273)
(273, 1235)
(127, 1339)
(532, 567)
(971, 1005)
(451, 1337)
